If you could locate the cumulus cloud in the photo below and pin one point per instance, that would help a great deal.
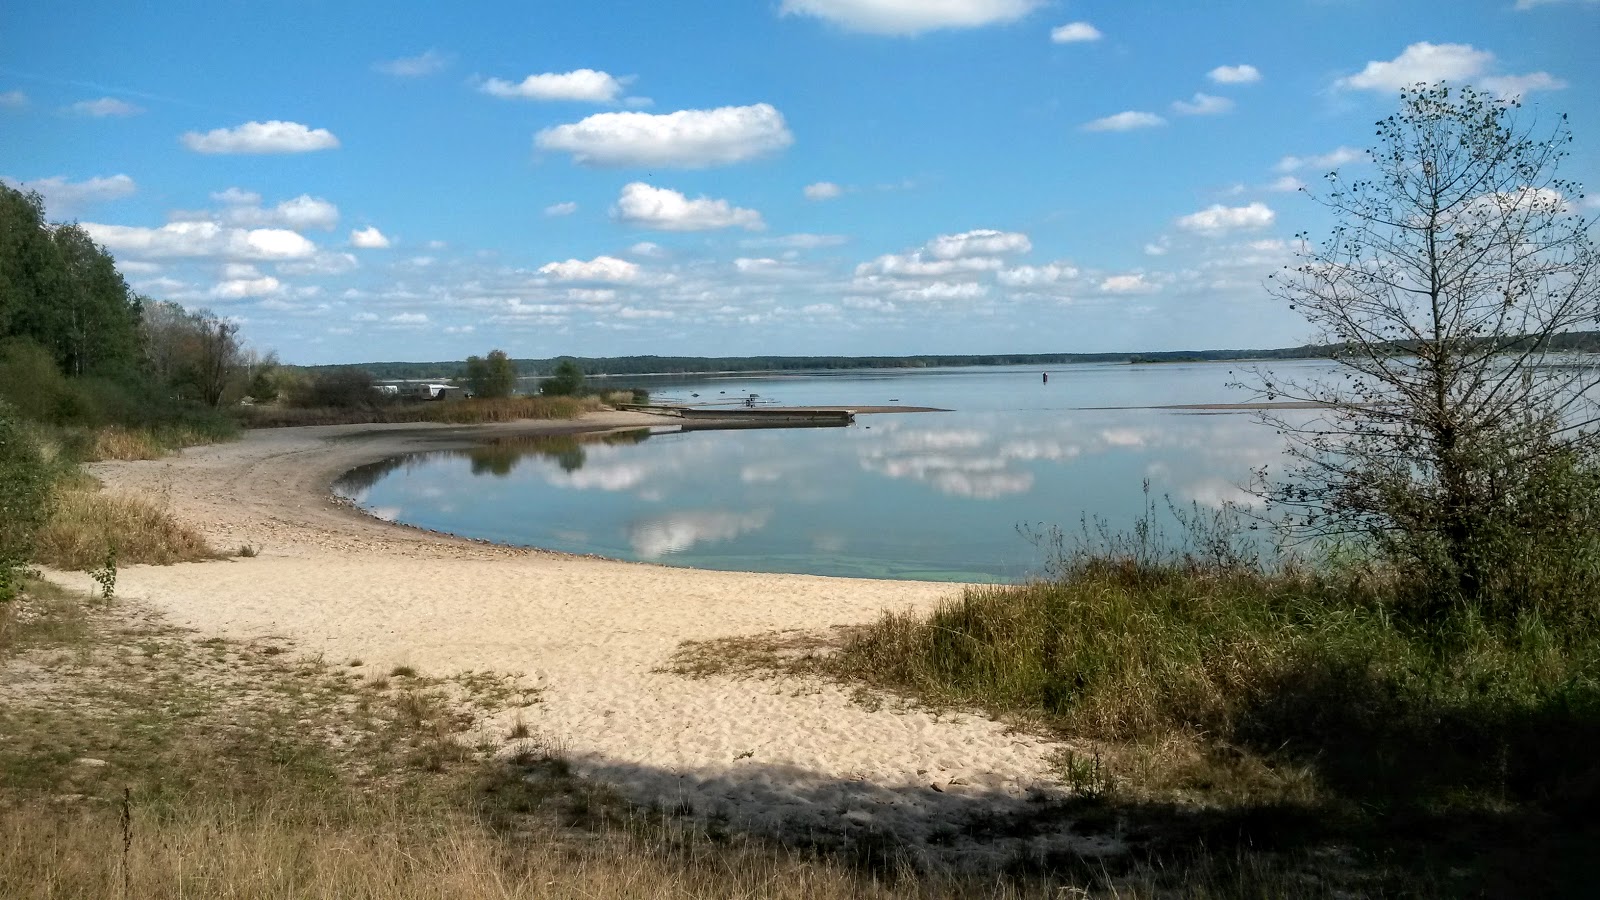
(202, 239)
(1074, 33)
(585, 85)
(947, 255)
(262, 137)
(822, 190)
(1330, 160)
(242, 288)
(1127, 284)
(561, 209)
(243, 208)
(369, 238)
(647, 249)
(1286, 183)
(1125, 121)
(1035, 276)
(644, 206)
(980, 242)
(942, 290)
(688, 138)
(601, 269)
(1202, 105)
(1218, 219)
(105, 107)
(1426, 62)
(1240, 74)
(1516, 86)
(909, 17)
(13, 100)
(428, 62)
(62, 197)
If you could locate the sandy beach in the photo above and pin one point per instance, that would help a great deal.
(591, 634)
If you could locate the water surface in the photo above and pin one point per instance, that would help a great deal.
(946, 495)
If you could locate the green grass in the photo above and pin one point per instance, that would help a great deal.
(1296, 701)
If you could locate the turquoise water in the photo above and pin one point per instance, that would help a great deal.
(944, 495)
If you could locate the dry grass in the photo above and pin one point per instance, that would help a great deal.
(86, 525)
(252, 773)
(454, 412)
(123, 444)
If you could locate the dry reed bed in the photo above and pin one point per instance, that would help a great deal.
(87, 526)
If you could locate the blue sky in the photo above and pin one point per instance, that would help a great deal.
(363, 181)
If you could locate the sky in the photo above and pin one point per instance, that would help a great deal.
(362, 181)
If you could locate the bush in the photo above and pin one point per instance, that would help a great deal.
(24, 500)
(336, 389)
(567, 381)
(87, 526)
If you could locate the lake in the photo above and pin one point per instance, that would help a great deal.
(928, 495)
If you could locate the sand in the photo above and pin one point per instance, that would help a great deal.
(784, 755)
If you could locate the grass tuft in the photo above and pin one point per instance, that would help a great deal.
(86, 524)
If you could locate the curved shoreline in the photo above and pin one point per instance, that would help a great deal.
(591, 635)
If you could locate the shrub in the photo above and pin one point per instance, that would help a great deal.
(336, 389)
(87, 525)
(24, 500)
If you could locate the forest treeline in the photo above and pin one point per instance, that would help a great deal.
(1571, 342)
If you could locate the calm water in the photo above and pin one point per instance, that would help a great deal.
(908, 495)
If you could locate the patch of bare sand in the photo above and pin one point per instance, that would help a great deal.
(784, 755)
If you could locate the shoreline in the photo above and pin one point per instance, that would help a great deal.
(592, 636)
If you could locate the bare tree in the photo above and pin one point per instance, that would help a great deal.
(1447, 277)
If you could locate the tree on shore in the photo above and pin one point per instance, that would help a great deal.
(566, 381)
(1451, 442)
(495, 376)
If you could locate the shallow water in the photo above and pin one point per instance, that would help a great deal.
(943, 495)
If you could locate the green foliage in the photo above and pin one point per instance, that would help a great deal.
(336, 389)
(62, 291)
(1450, 445)
(25, 480)
(566, 381)
(492, 378)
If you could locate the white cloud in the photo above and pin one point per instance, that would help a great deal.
(369, 238)
(243, 208)
(1033, 276)
(1240, 74)
(1421, 62)
(1330, 160)
(946, 255)
(822, 190)
(428, 62)
(1127, 284)
(602, 269)
(943, 290)
(1125, 121)
(13, 100)
(1286, 183)
(1218, 219)
(105, 107)
(980, 242)
(1515, 86)
(234, 196)
(241, 288)
(1202, 105)
(409, 318)
(1074, 32)
(202, 239)
(801, 241)
(1425, 62)
(262, 137)
(586, 85)
(915, 265)
(62, 197)
(647, 249)
(561, 209)
(909, 17)
(667, 210)
(688, 138)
